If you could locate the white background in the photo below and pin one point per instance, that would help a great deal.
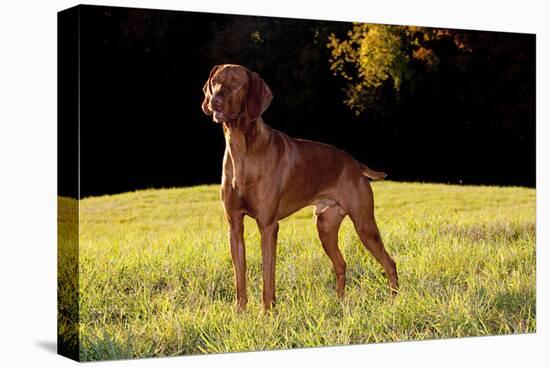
(28, 181)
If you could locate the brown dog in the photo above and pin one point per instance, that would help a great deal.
(268, 176)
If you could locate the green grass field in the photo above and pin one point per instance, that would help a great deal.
(156, 277)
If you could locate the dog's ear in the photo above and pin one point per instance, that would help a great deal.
(208, 91)
(259, 96)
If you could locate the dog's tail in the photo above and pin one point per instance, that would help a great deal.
(372, 174)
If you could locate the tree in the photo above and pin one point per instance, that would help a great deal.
(374, 55)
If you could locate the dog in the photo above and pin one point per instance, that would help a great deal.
(268, 175)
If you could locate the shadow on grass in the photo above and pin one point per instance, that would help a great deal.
(515, 301)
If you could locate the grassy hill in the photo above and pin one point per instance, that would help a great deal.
(156, 276)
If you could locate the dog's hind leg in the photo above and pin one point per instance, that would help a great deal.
(362, 216)
(328, 223)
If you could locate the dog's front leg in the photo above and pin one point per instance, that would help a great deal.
(268, 232)
(238, 255)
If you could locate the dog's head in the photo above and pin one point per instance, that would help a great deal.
(232, 91)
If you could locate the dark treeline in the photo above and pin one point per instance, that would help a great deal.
(472, 120)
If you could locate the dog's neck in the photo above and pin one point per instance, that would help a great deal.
(246, 135)
(242, 138)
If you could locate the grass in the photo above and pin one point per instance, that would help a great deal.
(156, 277)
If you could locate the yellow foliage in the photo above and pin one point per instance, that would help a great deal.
(374, 54)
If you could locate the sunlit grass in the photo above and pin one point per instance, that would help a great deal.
(156, 276)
